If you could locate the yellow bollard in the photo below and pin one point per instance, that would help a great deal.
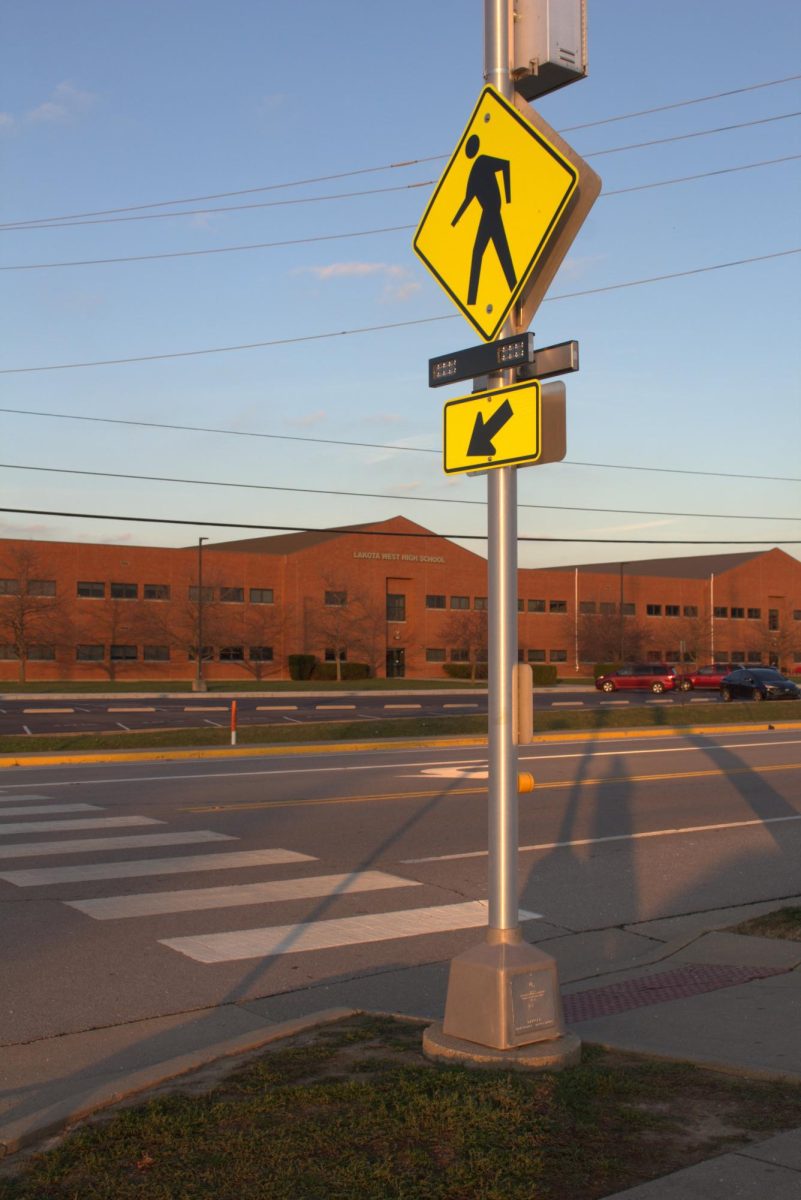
(525, 782)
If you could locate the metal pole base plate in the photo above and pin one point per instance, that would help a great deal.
(555, 1055)
(503, 994)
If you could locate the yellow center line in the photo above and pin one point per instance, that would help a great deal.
(554, 785)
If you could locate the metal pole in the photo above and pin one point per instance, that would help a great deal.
(502, 589)
(199, 680)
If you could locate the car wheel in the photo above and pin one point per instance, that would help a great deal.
(657, 687)
(685, 685)
(725, 695)
(607, 686)
(756, 695)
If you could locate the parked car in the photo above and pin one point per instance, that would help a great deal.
(653, 677)
(706, 677)
(758, 683)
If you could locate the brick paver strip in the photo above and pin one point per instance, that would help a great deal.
(656, 989)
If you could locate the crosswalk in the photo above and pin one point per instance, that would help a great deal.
(196, 854)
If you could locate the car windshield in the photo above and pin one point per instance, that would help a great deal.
(768, 675)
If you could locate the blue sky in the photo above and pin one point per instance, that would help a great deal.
(112, 106)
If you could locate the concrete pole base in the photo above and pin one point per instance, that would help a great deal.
(555, 1055)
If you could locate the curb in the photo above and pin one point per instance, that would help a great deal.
(567, 735)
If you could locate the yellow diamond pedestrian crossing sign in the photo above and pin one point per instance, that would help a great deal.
(494, 212)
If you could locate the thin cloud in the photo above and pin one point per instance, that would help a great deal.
(65, 103)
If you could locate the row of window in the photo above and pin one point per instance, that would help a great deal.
(118, 652)
(96, 590)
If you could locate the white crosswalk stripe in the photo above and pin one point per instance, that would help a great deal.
(149, 904)
(142, 841)
(330, 934)
(153, 866)
(68, 826)
(8, 799)
(45, 809)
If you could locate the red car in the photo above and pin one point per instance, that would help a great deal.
(651, 677)
(707, 677)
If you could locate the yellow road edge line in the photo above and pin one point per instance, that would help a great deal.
(576, 735)
(554, 785)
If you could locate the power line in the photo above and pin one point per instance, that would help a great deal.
(316, 337)
(319, 441)
(395, 165)
(329, 237)
(189, 212)
(461, 537)
(268, 487)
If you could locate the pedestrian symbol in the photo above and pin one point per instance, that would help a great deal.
(493, 212)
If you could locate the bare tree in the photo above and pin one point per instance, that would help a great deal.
(608, 637)
(466, 630)
(31, 612)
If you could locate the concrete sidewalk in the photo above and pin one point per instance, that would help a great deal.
(679, 988)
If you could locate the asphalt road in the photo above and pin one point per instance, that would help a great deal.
(54, 714)
(132, 891)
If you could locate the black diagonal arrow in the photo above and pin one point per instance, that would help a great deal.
(483, 432)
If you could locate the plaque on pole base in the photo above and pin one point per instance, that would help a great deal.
(503, 994)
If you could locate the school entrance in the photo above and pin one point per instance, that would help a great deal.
(396, 663)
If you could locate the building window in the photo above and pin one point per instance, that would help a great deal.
(91, 591)
(557, 606)
(331, 655)
(773, 619)
(654, 656)
(587, 607)
(629, 609)
(435, 601)
(156, 591)
(520, 604)
(396, 606)
(460, 601)
(7, 652)
(536, 605)
(557, 656)
(520, 654)
(721, 610)
(9, 587)
(653, 610)
(156, 653)
(737, 614)
(754, 656)
(232, 653)
(673, 656)
(205, 594)
(796, 614)
(608, 608)
(738, 656)
(89, 653)
(121, 653)
(206, 653)
(41, 587)
(261, 596)
(459, 654)
(690, 610)
(232, 595)
(434, 654)
(755, 614)
(41, 653)
(123, 591)
(535, 656)
(480, 603)
(336, 599)
(671, 610)
(261, 653)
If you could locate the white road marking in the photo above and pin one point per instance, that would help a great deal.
(276, 708)
(460, 706)
(617, 837)
(5, 799)
(455, 773)
(127, 728)
(142, 708)
(69, 826)
(133, 842)
(45, 809)
(568, 704)
(607, 702)
(209, 708)
(336, 707)
(48, 710)
(154, 866)
(324, 935)
(403, 706)
(152, 903)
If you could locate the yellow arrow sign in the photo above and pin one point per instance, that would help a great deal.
(494, 211)
(493, 429)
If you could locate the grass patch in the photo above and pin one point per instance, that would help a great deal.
(648, 717)
(57, 687)
(781, 923)
(354, 1112)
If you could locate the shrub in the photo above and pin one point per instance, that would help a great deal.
(465, 670)
(301, 666)
(544, 674)
(347, 670)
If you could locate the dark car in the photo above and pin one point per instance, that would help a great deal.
(651, 677)
(758, 683)
(710, 676)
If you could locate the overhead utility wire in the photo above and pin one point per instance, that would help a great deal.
(330, 237)
(103, 212)
(319, 441)
(453, 537)
(403, 187)
(316, 337)
(269, 487)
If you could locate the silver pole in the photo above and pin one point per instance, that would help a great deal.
(502, 569)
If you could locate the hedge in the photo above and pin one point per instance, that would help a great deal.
(347, 670)
(301, 666)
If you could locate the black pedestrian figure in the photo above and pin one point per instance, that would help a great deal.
(482, 185)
